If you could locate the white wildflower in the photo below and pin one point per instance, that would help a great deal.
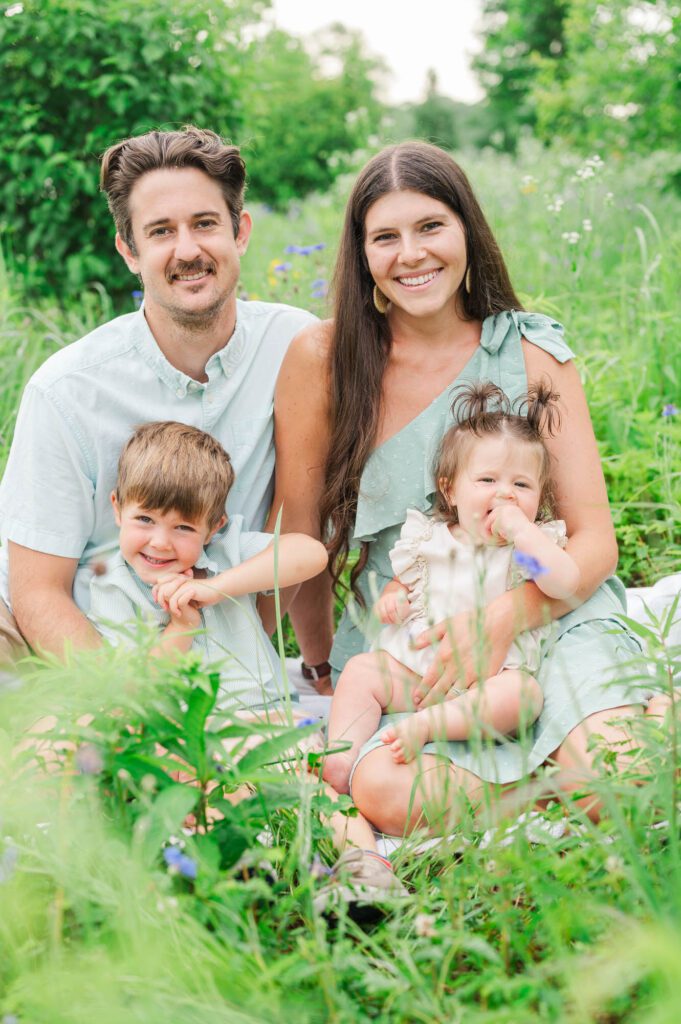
(587, 225)
(571, 237)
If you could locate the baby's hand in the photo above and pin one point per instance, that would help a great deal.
(392, 607)
(506, 521)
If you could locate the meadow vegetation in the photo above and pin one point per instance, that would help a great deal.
(127, 895)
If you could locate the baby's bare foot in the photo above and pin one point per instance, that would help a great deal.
(336, 771)
(407, 737)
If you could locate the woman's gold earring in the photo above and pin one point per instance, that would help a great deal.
(380, 301)
(467, 281)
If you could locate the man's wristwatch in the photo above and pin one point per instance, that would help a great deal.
(316, 672)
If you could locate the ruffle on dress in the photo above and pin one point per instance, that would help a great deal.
(399, 473)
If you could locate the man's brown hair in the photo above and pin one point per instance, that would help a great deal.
(171, 467)
(127, 161)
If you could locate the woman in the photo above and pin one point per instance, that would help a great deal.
(424, 303)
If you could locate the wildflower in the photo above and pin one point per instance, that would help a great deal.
(531, 565)
(587, 225)
(424, 926)
(304, 250)
(609, 196)
(556, 205)
(179, 863)
(571, 237)
(319, 288)
(528, 185)
(282, 268)
(614, 865)
(670, 410)
(89, 760)
(318, 869)
(304, 722)
(137, 298)
(8, 862)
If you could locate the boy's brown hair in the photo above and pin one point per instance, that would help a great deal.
(175, 468)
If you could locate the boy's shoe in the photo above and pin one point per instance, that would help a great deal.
(361, 882)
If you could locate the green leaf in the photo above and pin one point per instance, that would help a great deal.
(166, 816)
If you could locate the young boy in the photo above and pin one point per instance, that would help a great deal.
(169, 503)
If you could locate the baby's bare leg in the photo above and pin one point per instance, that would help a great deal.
(499, 706)
(369, 685)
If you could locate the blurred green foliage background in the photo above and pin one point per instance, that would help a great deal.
(79, 75)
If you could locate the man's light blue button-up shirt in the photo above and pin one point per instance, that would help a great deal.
(81, 406)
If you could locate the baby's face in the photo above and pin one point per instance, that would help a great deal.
(156, 543)
(499, 471)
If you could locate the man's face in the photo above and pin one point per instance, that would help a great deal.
(185, 250)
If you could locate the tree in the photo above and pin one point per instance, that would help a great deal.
(307, 110)
(79, 75)
(518, 35)
(435, 119)
(618, 85)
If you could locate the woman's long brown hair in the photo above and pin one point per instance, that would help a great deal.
(361, 343)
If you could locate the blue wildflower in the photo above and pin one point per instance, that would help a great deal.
(532, 567)
(8, 862)
(305, 722)
(304, 250)
(180, 863)
(137, 298)
(282, 268)
(670, 410)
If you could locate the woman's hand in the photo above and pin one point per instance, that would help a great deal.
(465, 647)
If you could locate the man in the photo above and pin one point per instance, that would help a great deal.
(193, 353)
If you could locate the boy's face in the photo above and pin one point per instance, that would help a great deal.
(156, 543)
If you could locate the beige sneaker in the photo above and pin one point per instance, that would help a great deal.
(363, 884)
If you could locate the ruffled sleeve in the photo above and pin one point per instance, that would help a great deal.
(405, 555)
(503, 329)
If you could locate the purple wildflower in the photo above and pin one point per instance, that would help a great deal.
(179, 863)
(282, 268)
(670, 410)
(137, 298)
(89, 760)
(304, 250)
(304, 722)
(531, 565)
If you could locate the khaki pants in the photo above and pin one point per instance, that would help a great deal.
(12, 644)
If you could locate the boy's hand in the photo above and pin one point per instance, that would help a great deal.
(392, 607)
(188, 618)
(174, 593)
(506, 521)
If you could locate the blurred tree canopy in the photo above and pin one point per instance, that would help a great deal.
(78, 75)
(599, 74)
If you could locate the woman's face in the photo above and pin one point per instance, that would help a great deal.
(416, 251)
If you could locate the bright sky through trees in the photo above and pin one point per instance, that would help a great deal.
(411, 39)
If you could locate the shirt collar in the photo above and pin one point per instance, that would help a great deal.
(177, 381)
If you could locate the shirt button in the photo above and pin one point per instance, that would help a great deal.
(180, 392)
(228, 373)
(193, 385)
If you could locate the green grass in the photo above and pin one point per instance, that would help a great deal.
(581, 928)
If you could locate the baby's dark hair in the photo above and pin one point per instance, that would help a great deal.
(173, 467)
(483, 410)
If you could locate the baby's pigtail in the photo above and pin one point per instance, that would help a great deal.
(476, 405)
(540, 408)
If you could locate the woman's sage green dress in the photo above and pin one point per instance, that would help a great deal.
(590, 663)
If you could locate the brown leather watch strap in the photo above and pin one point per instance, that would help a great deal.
(316, 672)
